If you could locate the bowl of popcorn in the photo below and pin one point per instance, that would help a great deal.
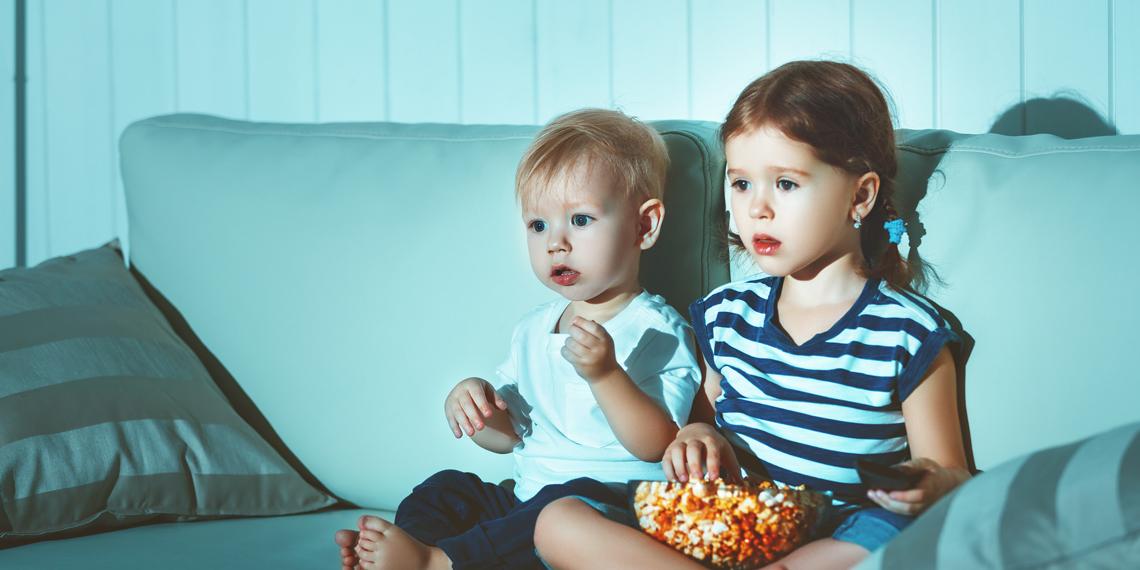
(728, 525)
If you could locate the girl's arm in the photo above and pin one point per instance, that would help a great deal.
(934, 435)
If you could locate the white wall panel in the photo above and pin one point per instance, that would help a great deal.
(1066, 54)
(1126, 65)
(96, 65)
(893, 39)
(351, 61)
(978, 62)
(651, 58)
(212, 57)
(144, 79)
(498, 64)
(808, 29)
(282, 60)
(74, 198)
(573, 56)
(7, 136)
(423, 75)
(729, 50)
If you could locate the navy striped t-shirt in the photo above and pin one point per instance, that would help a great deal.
(807, 412)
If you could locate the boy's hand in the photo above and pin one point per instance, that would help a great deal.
(936, 481)
(700, 452)
(468, 403)
(590, 349)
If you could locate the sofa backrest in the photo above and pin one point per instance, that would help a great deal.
(346, 276)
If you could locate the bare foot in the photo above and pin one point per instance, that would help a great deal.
(346, 540)
(383, 545)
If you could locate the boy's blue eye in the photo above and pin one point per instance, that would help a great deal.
(741, 184)
(786, 185)
(538, 226)
(580, 220)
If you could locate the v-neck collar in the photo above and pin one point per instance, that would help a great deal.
(781, 337)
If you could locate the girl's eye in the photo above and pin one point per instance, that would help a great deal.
(581, 220)
(741, 184)
(538, 226)
(786, 185)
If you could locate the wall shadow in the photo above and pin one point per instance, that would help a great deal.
(1062, 116)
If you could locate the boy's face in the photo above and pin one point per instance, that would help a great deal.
(582, 236)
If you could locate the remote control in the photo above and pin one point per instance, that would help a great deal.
(878, 476)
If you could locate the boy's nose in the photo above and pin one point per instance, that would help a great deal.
(557, 244)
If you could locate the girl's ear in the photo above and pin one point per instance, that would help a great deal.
(649, 218)
(866, 193)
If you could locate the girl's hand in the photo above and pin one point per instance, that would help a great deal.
(936, 482)
(700, 452)
(468, 403)
(590, 349)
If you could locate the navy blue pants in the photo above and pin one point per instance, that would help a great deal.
(483, 525)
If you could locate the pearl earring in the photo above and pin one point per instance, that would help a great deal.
(858, 220)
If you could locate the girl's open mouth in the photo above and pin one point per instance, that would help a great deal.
(563, 275)
(764, 244)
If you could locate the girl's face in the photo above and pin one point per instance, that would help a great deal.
(793, 211)
(582, 237)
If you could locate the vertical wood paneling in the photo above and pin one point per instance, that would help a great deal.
(498, 73)
(809, 29)
(1126, 65)
(423, 69)
(729, 50)
(879, 29)
(74, 201)
(1066, 55)
(282, 60)
(573, 56)
(7, 136)
(351, 61)
(979, 63)
(212, 57)
(143, 79)
(651, 58)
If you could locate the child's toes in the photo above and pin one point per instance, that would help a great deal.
(345, 538)
(371, 536)
(369, 522)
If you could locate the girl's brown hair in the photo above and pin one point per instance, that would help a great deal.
(840, 111)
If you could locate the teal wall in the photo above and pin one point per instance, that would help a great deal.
(97, 65)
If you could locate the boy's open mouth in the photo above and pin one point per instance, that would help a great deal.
(563, 275)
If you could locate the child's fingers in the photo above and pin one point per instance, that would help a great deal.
(454, 426)
(576, 348)
(712, 461)
(667, 465)
(677, 457)
(472, 412)
(694, 455)
(908, 496)
(462, 421)
(499, 401)
(590, 327)
(480, 399)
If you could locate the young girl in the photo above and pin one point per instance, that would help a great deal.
(831, 358)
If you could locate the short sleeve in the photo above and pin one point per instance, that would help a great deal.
(915, 370)
(701, 331)
(506, 383)
(666, 369)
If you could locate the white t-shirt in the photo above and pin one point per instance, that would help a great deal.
(564, 433)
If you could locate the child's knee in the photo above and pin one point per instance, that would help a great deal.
(555, 531)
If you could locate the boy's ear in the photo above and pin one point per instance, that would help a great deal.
(866, 193)
(649, 218)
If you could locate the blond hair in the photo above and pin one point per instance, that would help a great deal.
(629, 151)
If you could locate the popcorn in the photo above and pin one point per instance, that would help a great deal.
(725, 525)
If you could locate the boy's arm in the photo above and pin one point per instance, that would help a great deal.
(641, 425)
(475, 408)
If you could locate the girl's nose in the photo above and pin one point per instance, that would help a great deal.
(760, 206)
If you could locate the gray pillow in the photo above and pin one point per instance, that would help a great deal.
(1071, 506)
(108, 420)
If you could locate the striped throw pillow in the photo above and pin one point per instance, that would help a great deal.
(1071, 506)
(107, 419)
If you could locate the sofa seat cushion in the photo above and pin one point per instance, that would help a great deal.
(298, 541)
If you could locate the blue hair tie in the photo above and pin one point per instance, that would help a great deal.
(896, 228)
